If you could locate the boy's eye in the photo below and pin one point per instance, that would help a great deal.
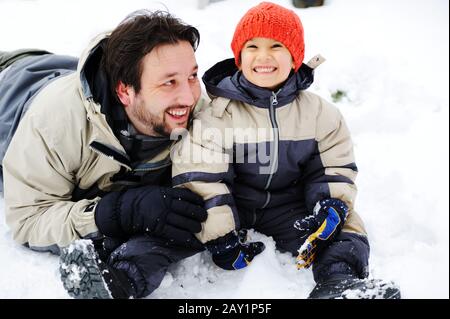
(251, 46)
(277, 45)
(193, 76)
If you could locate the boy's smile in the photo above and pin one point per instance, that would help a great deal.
(264, 69)
(266, 62)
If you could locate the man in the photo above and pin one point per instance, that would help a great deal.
(90, 156)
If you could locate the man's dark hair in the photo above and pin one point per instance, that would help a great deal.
(136, 36)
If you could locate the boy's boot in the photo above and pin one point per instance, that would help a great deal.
(344, 286)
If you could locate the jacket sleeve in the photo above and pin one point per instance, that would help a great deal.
(202, 163)
(39, 178)
(331, 171)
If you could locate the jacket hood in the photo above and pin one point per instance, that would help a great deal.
(90, 57)
(225, 80)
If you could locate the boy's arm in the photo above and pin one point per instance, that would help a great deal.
(330, 192)
(331, 171)
(200, 163)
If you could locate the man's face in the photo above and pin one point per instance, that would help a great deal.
(169, 91)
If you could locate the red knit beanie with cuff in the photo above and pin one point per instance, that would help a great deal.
(269, 20)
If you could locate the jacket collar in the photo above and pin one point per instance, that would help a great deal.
(225, 80)
(85, 57)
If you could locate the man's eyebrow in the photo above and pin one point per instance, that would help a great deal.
(169, 75)
(172, 74)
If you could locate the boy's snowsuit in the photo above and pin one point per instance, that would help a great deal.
(311, 158)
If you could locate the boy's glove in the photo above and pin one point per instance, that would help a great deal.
(229, 253)
(320, 228)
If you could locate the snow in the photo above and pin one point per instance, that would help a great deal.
(391, 60)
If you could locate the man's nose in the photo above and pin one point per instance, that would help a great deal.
(187, 95)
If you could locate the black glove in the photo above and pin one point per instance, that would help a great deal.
(229, 253)
(172, 213)
(319, 229)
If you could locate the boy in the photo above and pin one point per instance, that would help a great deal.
(288, 169)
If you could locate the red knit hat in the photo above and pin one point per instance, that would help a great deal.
(269, 20)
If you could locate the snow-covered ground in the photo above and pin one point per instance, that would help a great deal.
(390, 57)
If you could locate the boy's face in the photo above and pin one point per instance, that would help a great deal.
(266, 62)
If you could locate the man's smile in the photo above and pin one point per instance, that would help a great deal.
(178, 114)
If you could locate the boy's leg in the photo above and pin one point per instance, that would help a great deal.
(339, 269)
(351, 250)
(348, 250)
(347, 254)
(278, 223)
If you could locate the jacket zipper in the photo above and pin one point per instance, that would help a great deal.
(276, 137)
(110, 156)
(165, 164)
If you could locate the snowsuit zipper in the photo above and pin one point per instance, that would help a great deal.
(274, 152)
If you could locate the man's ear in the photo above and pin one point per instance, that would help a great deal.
(125, 93)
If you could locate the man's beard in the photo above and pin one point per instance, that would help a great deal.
(161, 129)
(158, 126)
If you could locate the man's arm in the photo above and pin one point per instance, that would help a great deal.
(39, 178)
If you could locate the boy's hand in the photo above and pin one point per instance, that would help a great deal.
(320, 228)
(229, 253)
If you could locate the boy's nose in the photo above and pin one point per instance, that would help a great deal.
(264, 56)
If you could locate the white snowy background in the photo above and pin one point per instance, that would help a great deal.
(390, 57)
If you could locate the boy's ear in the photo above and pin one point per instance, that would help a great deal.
(239, 66)
(125, 93)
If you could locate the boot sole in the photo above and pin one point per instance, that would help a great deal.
(80, 273)
(364, 289)
(376, 289)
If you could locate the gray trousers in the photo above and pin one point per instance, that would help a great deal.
(8, 58)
